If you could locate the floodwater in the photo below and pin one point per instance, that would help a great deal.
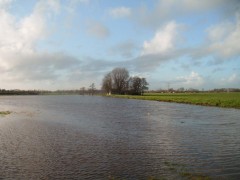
(90, 137)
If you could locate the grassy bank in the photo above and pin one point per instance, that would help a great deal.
(227, 100)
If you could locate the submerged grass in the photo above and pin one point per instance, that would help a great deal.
(179, 171)
(194, 176)
(183, 172)
(4, 113)
(226, 100)
(176, 171)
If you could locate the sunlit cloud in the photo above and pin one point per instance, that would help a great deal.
(193, 80)
(163, 41)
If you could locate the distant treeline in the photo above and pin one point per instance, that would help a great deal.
(226, 90)
(19, 92)
(192, 90)
(43, 92)
(91, 91)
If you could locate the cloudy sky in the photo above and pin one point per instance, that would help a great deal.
(59, 44)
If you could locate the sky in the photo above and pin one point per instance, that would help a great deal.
(59, 44)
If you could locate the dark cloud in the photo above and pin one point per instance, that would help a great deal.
(96, 65)
(40, 66)
(150, 62)
(124, 49)
(144, 63)
(165, 10)
(98, 30)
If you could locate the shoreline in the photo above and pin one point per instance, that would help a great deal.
(221, 100)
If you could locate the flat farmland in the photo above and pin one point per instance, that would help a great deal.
(226, 100)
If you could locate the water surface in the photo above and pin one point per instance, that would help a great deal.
(88, 137)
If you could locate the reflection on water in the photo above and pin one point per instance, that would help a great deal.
(84, 137)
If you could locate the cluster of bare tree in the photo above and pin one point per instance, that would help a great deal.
(118, 81)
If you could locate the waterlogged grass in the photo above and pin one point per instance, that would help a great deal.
(227, 100)
(4, 113)
(194, 176)
(175, 171)
(182, 171)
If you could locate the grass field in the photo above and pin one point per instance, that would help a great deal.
(227, 100)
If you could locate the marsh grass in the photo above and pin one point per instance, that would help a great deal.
(158, 178)
(226, 100)
(194, 176)
(4, 113)
(182, 171)
(178, 171)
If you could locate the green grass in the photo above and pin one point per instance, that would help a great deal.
(4, 113)
(227, 100)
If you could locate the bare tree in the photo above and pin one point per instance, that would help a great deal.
(107, 83)
(118, 82)
(120, 79)
(135, 85)
(82, 90)
(92, 88)
(144, 85)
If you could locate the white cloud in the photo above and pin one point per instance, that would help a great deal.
(193, 80)
(222, 42)
(22, 35)
(226, 44)
(217, 32)
(21, 63)
(4, 3)
(233, 79)
(73, 4)
(120, 12)
(163, 41)
(47, 8)
(80, 1)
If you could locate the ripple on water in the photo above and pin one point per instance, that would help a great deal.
(72, 137)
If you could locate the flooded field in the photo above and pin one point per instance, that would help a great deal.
(89, 137)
